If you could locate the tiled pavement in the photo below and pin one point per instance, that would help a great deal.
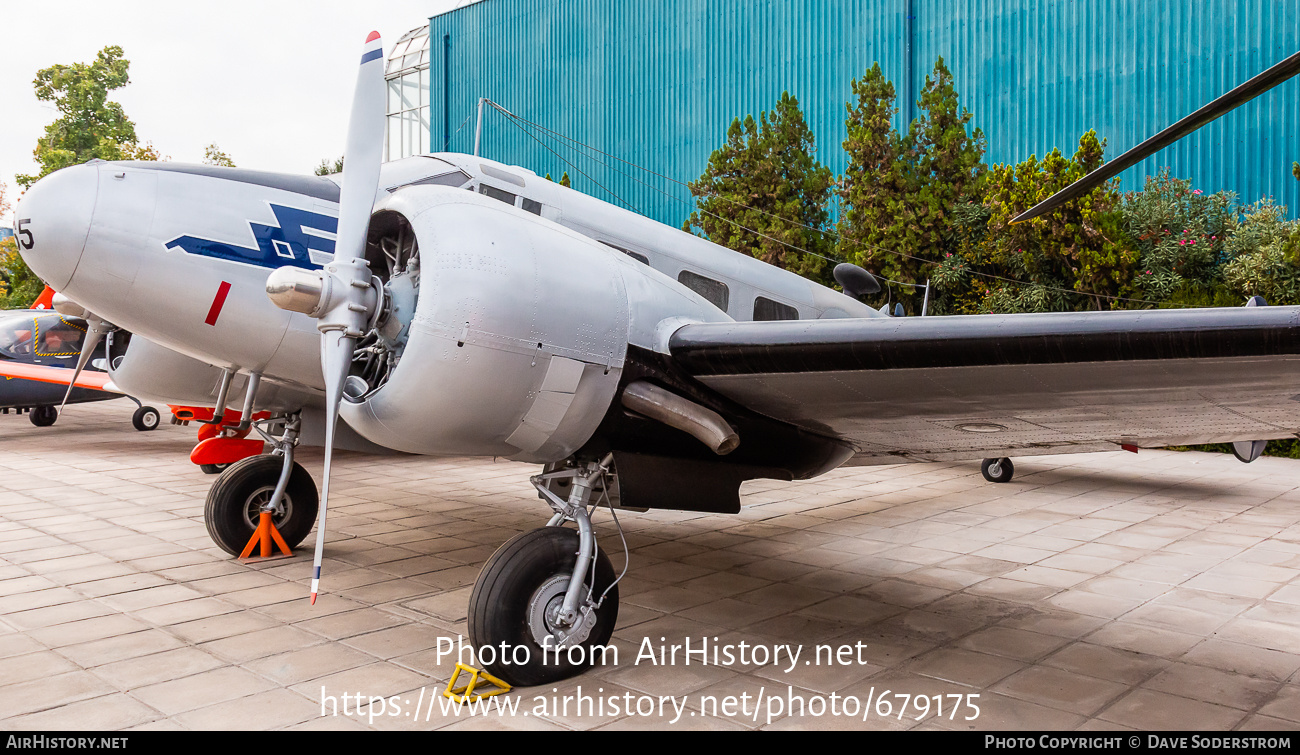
(1102, 591)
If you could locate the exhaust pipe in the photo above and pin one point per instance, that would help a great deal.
(704, 424)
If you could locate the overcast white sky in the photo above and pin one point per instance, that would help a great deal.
(269, 81)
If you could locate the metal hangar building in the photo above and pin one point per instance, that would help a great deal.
(656, 83)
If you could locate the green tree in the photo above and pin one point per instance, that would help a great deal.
(948, 158)
(1182, 236)
(874, 222)
(900, 195)
(1079, 247)
(212, 155)
(764, 193)
(147, 152)
(90, 125)
(327, 168)
(1264, 255)
(19, 286)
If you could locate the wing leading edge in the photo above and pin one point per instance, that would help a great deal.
(974, 386)
(97, 381)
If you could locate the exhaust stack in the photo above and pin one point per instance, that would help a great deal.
(704, 424)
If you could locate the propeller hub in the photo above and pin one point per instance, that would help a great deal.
(298, 290)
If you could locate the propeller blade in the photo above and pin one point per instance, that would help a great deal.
(336, 357)
(365, 153)
(348, 313)
(1228, 102)
(95, 330)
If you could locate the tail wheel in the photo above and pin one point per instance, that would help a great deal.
(997, 470)
(43, 416)
(235, 501)
(146, 418)
(516, 598)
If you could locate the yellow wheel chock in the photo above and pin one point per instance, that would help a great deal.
(468, 692)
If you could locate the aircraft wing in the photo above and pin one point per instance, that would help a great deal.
(98, 381)
(981, 386)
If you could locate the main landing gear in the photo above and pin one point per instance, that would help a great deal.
(145, 418)
(43, 416)
(997, 470)
(272, 483)
(550, 592)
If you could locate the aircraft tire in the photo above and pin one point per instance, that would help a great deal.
(146, 418)
(500, 606)
(43, 416)
(213, 468)
(1005, 470)
(231, 511)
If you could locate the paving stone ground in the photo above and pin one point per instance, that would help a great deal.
(1095, 591)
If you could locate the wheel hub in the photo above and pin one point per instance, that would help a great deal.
(253, 507)
(544, 616)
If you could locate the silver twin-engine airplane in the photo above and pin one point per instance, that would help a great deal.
(448, 304)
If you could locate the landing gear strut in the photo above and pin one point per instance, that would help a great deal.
(273, 483)
(550, 592)
(997, 470)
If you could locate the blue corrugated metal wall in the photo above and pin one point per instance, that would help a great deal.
(657, 82)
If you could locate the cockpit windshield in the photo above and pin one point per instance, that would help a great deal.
(44, 335)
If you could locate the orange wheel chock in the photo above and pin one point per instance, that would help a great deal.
(468, 693)
(263, 535)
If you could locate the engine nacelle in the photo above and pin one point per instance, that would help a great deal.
(519, 334)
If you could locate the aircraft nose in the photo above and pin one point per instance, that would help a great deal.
(53, 219)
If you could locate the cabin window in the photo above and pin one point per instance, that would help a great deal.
(638, 257)
(714, 291)
(766, 309)
(533, 206)
(495, 193)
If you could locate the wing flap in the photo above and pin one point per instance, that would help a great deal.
(983, 385)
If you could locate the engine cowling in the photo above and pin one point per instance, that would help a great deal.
(518, 337)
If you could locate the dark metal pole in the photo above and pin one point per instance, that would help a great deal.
(446, 93)
(909, 89)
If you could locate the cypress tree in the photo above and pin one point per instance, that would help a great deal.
(764, 192)
(875, 214)
(905, 194)
(948, 161)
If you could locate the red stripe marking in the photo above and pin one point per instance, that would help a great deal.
(218, 303)
(373, 36)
